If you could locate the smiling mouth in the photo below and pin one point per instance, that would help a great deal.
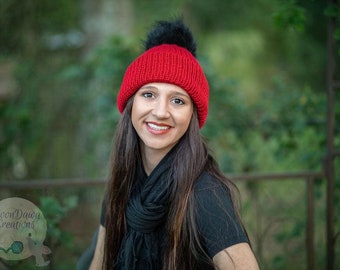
(158, 127)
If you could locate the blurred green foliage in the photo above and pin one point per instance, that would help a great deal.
(265, 61)
(54, 212)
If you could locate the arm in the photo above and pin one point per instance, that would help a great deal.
(97, 261)
(237, 257)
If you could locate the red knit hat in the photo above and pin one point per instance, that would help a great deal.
(167, 63)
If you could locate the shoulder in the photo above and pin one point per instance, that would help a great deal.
(206, 181)
(216, 214)
(207, 185)
(211, 195)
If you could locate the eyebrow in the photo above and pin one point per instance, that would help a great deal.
(148, 87)
(173, 92)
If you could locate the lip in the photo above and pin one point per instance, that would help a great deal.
(158, 128)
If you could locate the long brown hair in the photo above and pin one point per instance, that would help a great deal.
(183, 247)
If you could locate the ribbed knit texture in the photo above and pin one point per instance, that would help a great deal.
(167, 63)
(146, 216)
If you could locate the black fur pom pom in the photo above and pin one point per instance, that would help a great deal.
(171, 32)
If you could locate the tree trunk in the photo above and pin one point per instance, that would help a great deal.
(104, 18)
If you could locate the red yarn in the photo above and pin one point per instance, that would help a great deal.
(170, 64)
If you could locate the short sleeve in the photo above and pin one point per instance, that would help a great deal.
(217, 222)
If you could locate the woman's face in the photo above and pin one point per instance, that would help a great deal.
(161, 113)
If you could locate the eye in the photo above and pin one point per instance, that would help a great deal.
(178, 101)
(147, 94)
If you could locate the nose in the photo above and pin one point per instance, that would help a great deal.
(161, 109)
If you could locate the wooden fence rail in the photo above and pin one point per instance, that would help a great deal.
(308, 176)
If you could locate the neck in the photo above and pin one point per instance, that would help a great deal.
(151, 158)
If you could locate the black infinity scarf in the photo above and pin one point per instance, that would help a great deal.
(146, 214)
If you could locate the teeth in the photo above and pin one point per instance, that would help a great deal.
(155, 127)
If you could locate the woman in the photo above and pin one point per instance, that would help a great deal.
(168, 205)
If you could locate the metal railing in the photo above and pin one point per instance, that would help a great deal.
(308, 176)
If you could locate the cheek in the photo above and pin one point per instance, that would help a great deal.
(134, 114)
(185, 118)
(138, 113)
